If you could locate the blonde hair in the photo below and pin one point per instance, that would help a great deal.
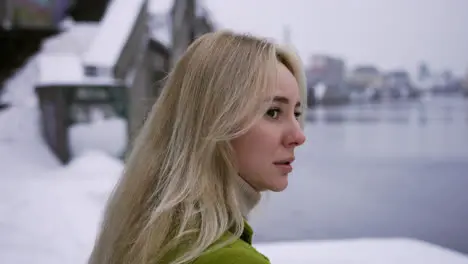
(178, 196)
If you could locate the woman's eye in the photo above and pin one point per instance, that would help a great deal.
(297, 114)
(273, 113)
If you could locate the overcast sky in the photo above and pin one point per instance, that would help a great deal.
(388, 33)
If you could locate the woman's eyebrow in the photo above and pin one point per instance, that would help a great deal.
(284, 100)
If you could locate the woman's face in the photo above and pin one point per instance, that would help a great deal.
(265, 154)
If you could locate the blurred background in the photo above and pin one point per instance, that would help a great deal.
(386, 157)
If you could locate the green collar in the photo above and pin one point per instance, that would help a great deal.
(247, 234)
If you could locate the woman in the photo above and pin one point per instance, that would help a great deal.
(223, 130)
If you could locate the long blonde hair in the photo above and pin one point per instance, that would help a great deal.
(177, 195)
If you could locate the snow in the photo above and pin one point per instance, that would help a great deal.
(85, 137)
(24, 81)
(114, 31)
(60, 60)
(375, 251)
(59, 68)
(75, 39)
(160, 29)
(49, 213)
(51, 216)
(21, 143)
(66, 69)
(165, 6)
(160, 13)
(160, 6)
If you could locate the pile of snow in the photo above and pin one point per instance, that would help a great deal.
(19, 89)
(21, 141)
(375, 251)
(108, 135)
(52, 216)
(95, 165)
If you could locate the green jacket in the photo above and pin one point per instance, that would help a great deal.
(239, 252)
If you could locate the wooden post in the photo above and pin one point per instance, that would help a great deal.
(183, 22)
(54, 120)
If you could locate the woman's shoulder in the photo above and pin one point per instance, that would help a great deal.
(239, 252)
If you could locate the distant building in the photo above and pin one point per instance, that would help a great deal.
(364, 77)
(325, 80)
(398, 84)
(326, 69)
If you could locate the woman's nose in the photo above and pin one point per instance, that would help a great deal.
(296, 136)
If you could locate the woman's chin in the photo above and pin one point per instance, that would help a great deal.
(279, 186)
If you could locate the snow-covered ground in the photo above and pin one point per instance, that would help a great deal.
(375, 251)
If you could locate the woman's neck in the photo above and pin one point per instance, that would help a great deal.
(249, 197)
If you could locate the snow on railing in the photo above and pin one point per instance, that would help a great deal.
(115, 29)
